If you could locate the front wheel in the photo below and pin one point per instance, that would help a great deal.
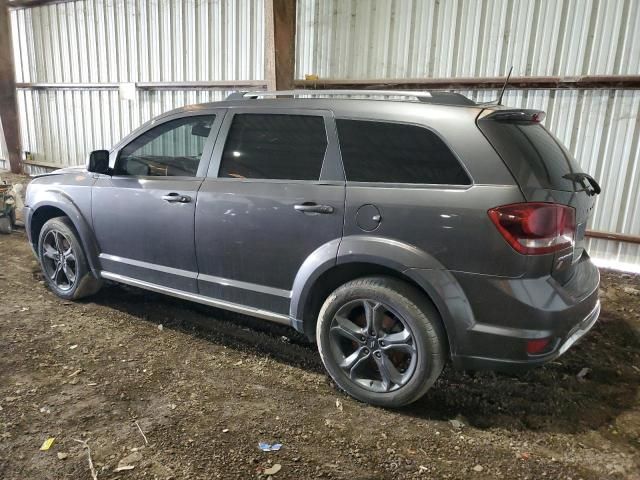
(63, 261)
(381, 340)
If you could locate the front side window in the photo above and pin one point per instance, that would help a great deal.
(396, 153)
(172, 149)
(274, 146)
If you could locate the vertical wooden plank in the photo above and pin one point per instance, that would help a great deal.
(8, 98)
(269, 46)
(280, 43)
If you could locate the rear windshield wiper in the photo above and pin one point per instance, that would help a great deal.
(580, 177)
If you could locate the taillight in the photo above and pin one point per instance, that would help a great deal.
(536, 228)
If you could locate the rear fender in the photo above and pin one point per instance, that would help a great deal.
(405, 259)
(320, 260)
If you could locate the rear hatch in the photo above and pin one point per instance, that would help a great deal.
(543, 168)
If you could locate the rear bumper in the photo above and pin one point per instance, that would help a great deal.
(510, 313)
(470, 362)
(490, 320)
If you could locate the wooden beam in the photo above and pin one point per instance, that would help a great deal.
(618, 237)
(8, 98)
(462, 83)
(195, 85)
(280, 43)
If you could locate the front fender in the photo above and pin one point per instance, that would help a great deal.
(54, 197)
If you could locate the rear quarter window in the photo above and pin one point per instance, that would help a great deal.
(396, 153)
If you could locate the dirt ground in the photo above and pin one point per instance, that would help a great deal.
(206, 386)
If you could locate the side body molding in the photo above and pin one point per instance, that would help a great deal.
(53, 197)
(406, 259)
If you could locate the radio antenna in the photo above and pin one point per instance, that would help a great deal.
(499, 102)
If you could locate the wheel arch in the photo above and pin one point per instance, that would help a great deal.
(56, 204)
(367, 256)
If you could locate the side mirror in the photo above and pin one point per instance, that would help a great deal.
(201, 130)
(98, 161)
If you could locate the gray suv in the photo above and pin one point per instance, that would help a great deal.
(397, 231)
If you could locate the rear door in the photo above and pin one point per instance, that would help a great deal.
(143, 214)
(545, 171)
(274, 194)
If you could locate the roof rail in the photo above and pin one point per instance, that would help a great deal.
(449, 98)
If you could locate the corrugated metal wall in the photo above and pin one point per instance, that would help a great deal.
(59, 127)
(479, 38)
(139, 41)
(118, 41)
(467, 38)
(101, 41)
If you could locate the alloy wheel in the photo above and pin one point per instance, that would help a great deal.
(373, 345)
(59, 260)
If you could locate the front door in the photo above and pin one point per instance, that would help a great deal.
(143, 215)
(275, 194)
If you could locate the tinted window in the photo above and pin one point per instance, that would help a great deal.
(171, 149)
(532, 154)
(287, 147)
(396, 153)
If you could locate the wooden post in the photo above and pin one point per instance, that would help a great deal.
(8, 99)
(280, 43)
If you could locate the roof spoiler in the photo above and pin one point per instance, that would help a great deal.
(516, 115)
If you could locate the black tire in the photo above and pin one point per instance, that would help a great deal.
(70, 258)
(6, 225)
(409, 313)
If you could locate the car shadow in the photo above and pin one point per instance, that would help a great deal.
(585, 389)
(222, 327)
(550, 398)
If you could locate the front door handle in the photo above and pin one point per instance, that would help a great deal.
(174, 197)
(310, 207)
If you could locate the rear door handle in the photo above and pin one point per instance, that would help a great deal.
(174, 197)
(310, 207)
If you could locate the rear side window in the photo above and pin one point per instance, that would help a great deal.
(534, 156)
(396, 153)
(274, 146)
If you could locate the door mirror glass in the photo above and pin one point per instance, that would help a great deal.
(98, 161)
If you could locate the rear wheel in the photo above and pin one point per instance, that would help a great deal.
(63, 261)
(381, 340)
